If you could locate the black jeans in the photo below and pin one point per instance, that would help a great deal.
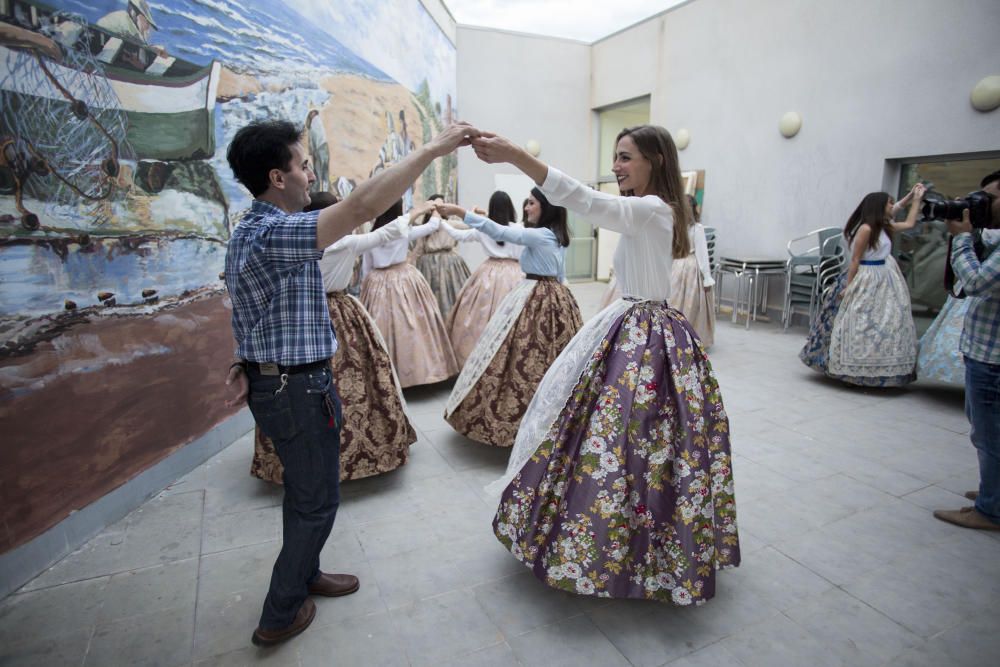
(294, 411)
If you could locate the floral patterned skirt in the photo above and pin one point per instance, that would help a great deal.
(940, 357)
(816, 352)
(446, 273)
(874, 340)
(407, 316)
(478, 300)
(375, 434)
(493, 402)
(630, 493)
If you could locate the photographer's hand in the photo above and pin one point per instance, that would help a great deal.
(963, 226)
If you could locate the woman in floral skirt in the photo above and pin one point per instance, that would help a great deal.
(620, 483)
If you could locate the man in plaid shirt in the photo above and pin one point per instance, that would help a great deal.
(980, 344)
(284, 341)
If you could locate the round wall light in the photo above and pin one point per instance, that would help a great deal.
(790, 124)
(533, 147)
(682, 139)
(986, 95)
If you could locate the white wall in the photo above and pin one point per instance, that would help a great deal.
(523, 87)
(872, 80)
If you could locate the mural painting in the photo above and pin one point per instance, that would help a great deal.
(116, 203)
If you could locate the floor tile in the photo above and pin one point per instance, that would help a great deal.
(570, 643)
(370, 640)
(843, 563)
(443, 627)
(517, 604)
(158, 638)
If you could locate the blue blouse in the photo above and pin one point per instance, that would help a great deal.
(542, 253)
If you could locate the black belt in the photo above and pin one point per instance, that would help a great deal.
(535, 276)
(278, 369)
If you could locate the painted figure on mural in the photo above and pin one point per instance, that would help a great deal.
(319, 150)
(135, 21)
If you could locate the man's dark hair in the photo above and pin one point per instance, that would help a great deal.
(260, 147)
(320, 200)
(989, 178)
(389, 215)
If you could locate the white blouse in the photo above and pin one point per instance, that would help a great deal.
(337, 263)
(645, 251)
(390, 253)
(493, 248)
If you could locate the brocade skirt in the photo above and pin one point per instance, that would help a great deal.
(375, 434)
(529, 330)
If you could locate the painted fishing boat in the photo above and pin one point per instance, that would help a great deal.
(169, 102)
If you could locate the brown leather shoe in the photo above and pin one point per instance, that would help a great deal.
(971, 495)
(967, 517)
(305, 616)
(334, 585)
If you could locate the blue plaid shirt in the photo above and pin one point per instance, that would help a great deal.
(981, 282)
(274, 281)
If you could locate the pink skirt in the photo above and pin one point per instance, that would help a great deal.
(406, 312)
(477, 302)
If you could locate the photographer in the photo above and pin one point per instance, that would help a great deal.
(979, 274)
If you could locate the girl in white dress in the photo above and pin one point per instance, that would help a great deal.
(620, 482)
(874, 341)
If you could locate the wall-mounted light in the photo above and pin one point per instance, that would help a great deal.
(986, 95)
(533, 147)
(790, 124)
(682, 139)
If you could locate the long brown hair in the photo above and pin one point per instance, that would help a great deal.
(871, 212)
(657, 146)
(552, 216)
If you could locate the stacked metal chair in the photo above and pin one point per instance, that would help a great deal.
(804, 268)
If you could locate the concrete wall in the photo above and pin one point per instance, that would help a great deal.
(873, 81)
(524, 87)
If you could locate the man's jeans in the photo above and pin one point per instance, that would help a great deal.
(307, 438)
(982, 406)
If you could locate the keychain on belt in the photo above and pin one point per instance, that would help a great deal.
(329, 409)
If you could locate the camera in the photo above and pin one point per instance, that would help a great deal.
(979, 204)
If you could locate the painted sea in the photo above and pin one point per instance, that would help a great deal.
(269, 41)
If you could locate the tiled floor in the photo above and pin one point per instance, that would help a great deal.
(843, 563)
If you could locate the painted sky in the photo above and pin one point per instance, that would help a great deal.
(397, 36)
